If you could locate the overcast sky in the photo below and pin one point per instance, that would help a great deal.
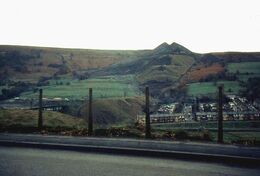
(200, 25)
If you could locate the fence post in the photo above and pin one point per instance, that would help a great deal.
(220, 114)
(147, 114)
(40, 110)
(90, 118)
(31, 103)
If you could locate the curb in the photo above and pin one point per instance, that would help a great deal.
(200, 157)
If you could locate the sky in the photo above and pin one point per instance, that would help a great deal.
(200, 25)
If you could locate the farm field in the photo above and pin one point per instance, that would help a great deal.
(206, 88)
(245, 70)
(244, 67)
(103, 87)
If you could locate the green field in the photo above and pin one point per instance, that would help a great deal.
(244, 67)
(245, 70)
(103, 87)
(206, 88)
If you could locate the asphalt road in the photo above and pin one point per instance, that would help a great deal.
(28, 162)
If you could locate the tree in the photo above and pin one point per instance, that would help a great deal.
(251, 89)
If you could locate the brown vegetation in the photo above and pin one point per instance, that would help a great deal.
(203, 71)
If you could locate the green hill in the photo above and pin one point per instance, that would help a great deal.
(115, 111)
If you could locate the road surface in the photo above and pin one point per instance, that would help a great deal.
(42, 162)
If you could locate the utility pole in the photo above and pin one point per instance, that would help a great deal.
(147, 114)
(40, 110)
(90, 118)
(220, 114)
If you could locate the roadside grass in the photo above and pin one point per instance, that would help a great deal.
(103, 87)
(206, 125)
(24, 120)
(210, 88)
(232, 130)
(244, 138)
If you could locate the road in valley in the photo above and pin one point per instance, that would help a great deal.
(16, 161)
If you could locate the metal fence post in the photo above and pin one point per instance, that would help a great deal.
(220, 114)
(147, 114)
(40, 110)
(90, 118)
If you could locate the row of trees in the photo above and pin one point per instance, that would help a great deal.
(16, 89)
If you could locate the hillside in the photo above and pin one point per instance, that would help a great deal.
(115, 111)
(29, 64)
(160, 69)
(118, 77)
(164, 69)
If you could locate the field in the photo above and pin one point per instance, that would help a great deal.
(245, 70)
(103, 87)
(244, 67)
(206, 88)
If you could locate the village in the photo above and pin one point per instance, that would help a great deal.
(236, 108)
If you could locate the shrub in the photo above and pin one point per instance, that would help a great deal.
(181, 134)
(206, 135)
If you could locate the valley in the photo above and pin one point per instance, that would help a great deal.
(172, 72)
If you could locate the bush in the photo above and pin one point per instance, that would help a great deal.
(206, 135)
(181, 134)
(116, 132)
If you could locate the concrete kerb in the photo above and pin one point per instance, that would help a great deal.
(200, 157)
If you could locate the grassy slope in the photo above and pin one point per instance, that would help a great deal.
(29, 119)
(115, 111)
(159, 71)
